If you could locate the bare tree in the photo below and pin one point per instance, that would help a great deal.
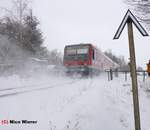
(141, 9)
(22, 26)
(20, 9)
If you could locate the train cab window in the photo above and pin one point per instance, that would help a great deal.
(93, 55)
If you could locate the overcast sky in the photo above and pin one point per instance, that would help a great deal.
(66, 22)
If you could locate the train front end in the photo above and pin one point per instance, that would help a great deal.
(77, 58)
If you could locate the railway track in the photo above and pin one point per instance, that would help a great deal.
(36, 87)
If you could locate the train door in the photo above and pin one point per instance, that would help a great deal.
(94, 56)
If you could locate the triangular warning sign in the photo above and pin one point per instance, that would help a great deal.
(130, 17)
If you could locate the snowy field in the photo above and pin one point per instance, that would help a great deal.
(71, 103)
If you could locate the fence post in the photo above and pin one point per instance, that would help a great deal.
(125, 75)
(144, 76)
(108, 75)
(111, 74)
(116, 72)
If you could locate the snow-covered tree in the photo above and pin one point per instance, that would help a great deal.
(22, 26)
(23, 39)
(32, 37)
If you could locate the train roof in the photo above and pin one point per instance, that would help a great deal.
(110, 60)
(81, 44)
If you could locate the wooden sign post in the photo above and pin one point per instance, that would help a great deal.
(129, 18)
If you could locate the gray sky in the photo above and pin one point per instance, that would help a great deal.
(87, 21)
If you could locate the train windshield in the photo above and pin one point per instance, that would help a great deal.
(76, 53)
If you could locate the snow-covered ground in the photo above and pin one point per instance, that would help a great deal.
(70, 103)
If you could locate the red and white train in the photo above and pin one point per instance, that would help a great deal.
(86, 59)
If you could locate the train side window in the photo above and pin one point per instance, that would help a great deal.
(93, 55)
